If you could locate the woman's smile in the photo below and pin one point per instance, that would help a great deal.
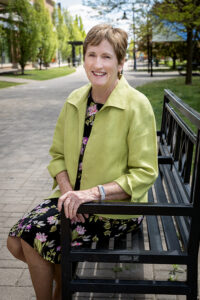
(99, 73)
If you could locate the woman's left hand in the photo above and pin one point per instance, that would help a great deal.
(73, 199)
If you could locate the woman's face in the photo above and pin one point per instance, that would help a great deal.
(101, 65)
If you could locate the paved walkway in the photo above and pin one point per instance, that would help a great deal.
(28, 115)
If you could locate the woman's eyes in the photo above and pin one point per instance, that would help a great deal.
(104, 56)
(107, 56)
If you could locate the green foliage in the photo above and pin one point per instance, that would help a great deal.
(75, 28)
(117, 269)
(2, 32)
(64, 49)
(47, 36)
(186, 13)
(2, 38)
(23, 31)
(173, 274)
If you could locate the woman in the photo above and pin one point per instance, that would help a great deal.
(117, 124)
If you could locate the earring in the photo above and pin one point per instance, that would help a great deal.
(120, 74)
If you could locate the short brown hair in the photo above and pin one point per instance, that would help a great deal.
(117, 37)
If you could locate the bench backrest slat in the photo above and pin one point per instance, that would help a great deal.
(177, 196)
(185, 109)
(155, 240)
(172, 241)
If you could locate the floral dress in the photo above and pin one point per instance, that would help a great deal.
(40, 228)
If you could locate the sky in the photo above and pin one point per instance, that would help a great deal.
(67, 3)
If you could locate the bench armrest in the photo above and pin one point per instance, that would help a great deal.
(125, 208)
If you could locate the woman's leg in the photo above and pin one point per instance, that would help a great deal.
(15, 247)
(42, 272)
(57, 277)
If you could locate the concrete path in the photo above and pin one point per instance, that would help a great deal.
(28, 115)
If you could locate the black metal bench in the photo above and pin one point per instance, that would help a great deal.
(172, 217)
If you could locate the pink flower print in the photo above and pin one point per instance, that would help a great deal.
(51, 220)
(82, 150)
(58, 248)
(43, 210)
(20, 226)
(28, 226)
(84, 143)
(80, 229)
(85, 140)
(92, 110)
(80, 167)
(41, 237)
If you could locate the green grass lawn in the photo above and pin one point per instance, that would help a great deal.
(188, 93)
(44, 74)
(5, 84)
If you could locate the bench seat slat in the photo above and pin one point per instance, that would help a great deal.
(138, 239)
(155, 241)
(170, 233)
(183, 223)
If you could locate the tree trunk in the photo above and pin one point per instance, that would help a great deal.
(188, 79)
(148, 52)
(22, 68)
(174, 62)
(40, 64)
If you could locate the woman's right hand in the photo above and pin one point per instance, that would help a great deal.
(79, 218)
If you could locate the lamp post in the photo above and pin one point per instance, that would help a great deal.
(134, 48)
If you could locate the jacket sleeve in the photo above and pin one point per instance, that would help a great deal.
(142, 154)
(57, 164)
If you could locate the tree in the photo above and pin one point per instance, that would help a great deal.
(62, 35)
(2, 40)
(187, 14)
(23, 31)
(47, 35)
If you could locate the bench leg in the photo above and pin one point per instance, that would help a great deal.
(192, 273)
(66, 278)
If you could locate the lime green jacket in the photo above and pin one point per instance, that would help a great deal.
(122, 146)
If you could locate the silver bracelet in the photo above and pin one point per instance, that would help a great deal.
(102, 192)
